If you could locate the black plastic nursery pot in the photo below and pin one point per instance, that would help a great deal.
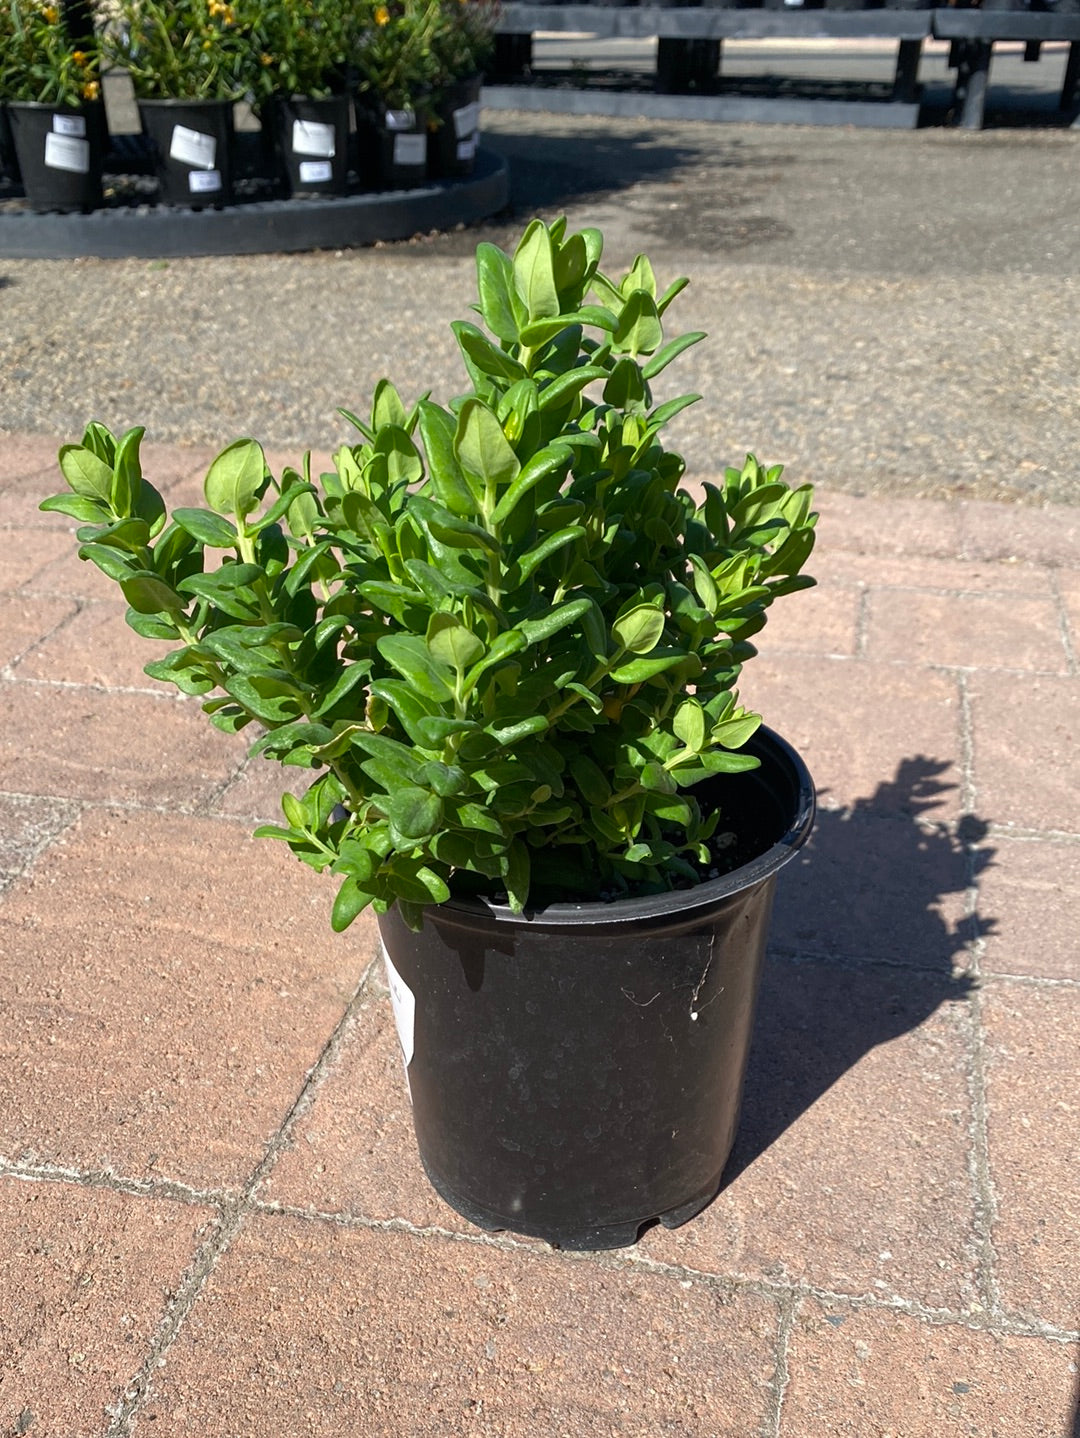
(9, 164)
(392, 144)
(61, 153)
(312, 140)
(452, 142)
(193, 143)
(576, 1072)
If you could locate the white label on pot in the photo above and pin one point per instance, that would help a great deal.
(467, 120)
(410, 149)
(191, 147)
(69, 125)
(204, 182)
(310, 138)
(404, 1004)
(466, 150)
(315, 172)
(63, 152)
(400, 120)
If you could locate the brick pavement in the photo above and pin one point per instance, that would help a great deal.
(213, 1218)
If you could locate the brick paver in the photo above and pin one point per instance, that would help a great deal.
(214, 1218)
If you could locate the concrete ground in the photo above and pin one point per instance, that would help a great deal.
(214, 1222)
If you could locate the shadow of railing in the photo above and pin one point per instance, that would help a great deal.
(870, 931)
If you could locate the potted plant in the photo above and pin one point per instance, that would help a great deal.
(506, 643)
(52, 88)
(189, 62)
(396, 68)
(300, 90)
(463, 44)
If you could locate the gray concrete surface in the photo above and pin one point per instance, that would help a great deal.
(889, 313)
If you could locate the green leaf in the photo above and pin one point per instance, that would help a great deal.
(86, 473)
(670, 351)
(556, 618)
(564, 387)
(235, 477)
(689, 724)
(488, 358)
(517, 876)
(351, 900)
(640, 277)
(147, 594)
(640, 629)
(414, 812)
(664, 413)
(545, 462)
(410, 656)
(639, 330)
(99, 439)
(110, 561)
(403, 463)
(481, 447)
(387, 408)
(675, 288)
(450, 642)
(437, 429)
(127, 472)
(647, 667)
(733, 733)
(534, 272)
(536, 556)
(590, 779)
(494, 273)
(207, 528)
(78, 506)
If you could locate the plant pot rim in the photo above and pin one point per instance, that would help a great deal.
(187, 100)
(680, 904)
(60, 106)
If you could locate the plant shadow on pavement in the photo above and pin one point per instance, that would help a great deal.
(870, 928)
(552, 172)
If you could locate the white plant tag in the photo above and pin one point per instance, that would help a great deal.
(311, 138)
(191, 147)
(466, 150)
(400, 119)
(64, 152)
(315, 172)
(204, 182)
(403, 1001)
(70, 125)
(410, 149)
(467, 120)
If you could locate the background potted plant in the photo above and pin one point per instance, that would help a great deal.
(506, 642)
(299, 85)
(396, 68)
(189, 62)
(52, 88)
(463, 43)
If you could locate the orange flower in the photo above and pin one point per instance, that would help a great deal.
(382, 15)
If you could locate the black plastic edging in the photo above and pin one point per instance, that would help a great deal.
(265, 226)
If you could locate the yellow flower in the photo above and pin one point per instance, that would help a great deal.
(91, 90)
(79, 56)
(382, 15)
(265, 59)
(51, 14)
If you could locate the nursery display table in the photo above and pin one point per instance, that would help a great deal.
(689, 52)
